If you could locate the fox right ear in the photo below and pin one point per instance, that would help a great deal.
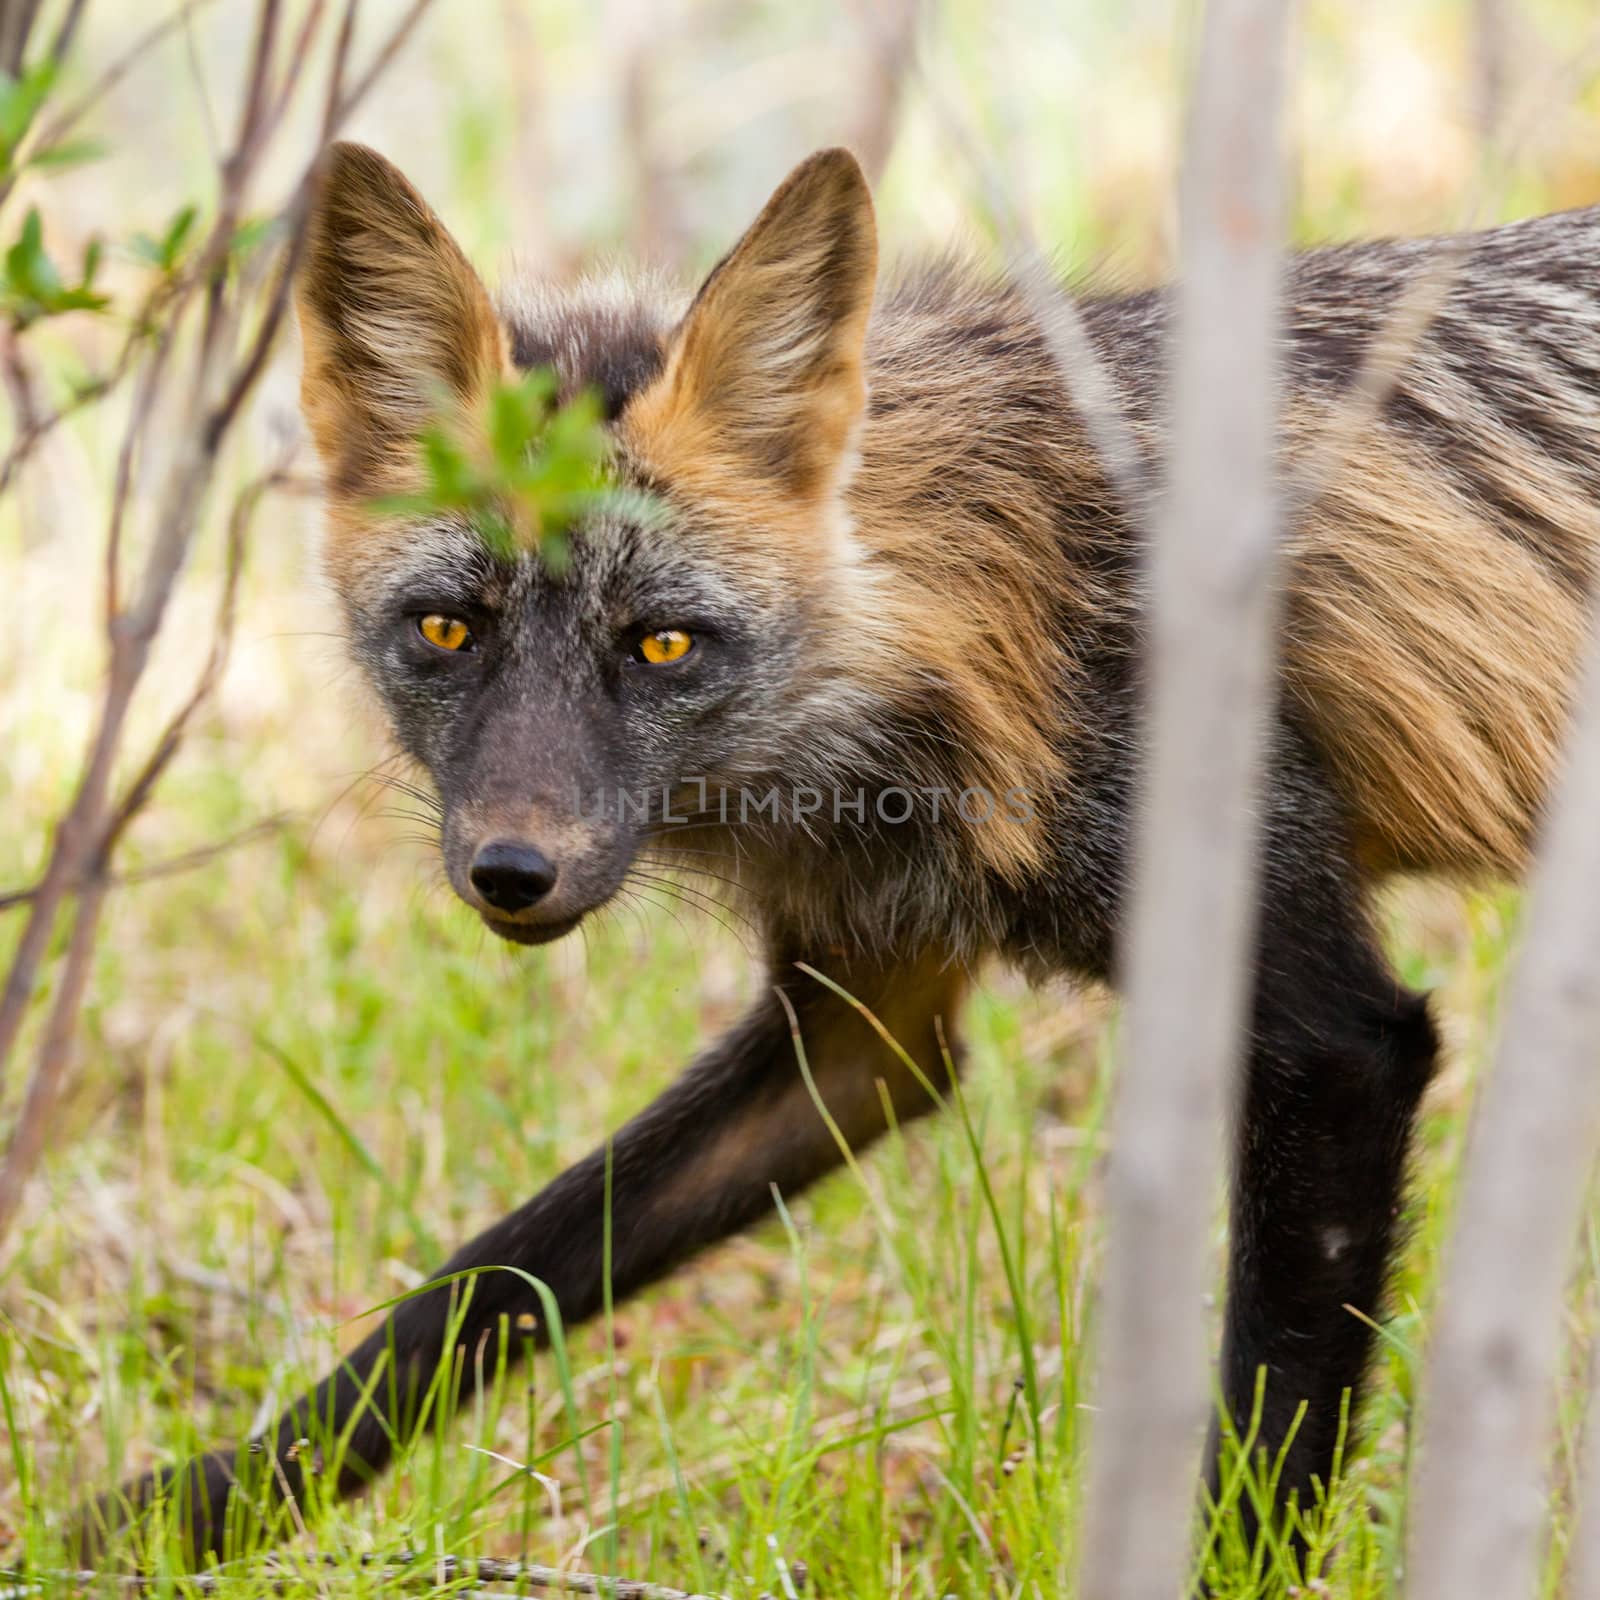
(394, 323)
(768, 365)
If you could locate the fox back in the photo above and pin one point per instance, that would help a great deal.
(899, 565)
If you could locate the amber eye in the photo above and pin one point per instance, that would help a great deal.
(445, 633)
(671, 644)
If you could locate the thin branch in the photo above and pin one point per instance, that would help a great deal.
(392, 46)
(294, 218)
(33, 430)
(202, 90)
(1383, 364)
(32, 1130)
(143, 408)
(166, 747)
(529, 149)
(19, 384)
(888, 67)
(171, 866)
(76, 852)
(1491, 38)
(1086, 379)
(1215, 600)
(253, 113)
(68, 30)
(424, 1572)
(657, 224)
(299, 53)
(16, 27)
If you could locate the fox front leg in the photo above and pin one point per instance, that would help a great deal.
(698, 1164)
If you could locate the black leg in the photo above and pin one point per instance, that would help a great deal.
(694, 1167)
(1341, 1055)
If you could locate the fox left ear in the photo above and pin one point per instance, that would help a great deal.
(768, 362)
(394, 323)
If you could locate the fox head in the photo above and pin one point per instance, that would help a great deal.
(698, 642)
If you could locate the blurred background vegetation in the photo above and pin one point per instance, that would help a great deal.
(304, 1071)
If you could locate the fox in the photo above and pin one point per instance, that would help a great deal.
(885, 562)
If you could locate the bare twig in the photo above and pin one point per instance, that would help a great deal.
(1491, 38)
(146, 391)
(19, 385)
(299, 53)
(202, 89)
(657, 225)
(171, 866)
(32, 427)
(391, 47)
(32, 1130)
(530, 148)
(252, 128)
(166, 747)
(78, 855)
(888, 66)
(1215, 602)
(35, 426)
(294, 219)
(1383, 364)
(517, 1577)
(16, 26)
(1086, 379)
(67, 30)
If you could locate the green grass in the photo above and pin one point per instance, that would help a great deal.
(283, 1123)
(306, 1074)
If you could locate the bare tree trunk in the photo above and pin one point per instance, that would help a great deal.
(1214, 612)
(1479, 1506)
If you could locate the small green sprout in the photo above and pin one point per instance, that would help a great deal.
(538, 468)
(166, 251)
(32, 287)
(21, 99)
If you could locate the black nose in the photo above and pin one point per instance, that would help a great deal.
(511, 876)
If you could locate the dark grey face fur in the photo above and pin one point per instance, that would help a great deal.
(550, 735)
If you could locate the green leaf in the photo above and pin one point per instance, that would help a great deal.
(32, 241)
(29, 272)
(33, 286)
(20, 99)
(249, 236)
(545, 471)
(68, 153)
(167, 251)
